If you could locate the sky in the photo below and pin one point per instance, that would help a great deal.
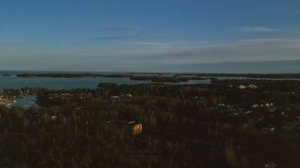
(240, 36)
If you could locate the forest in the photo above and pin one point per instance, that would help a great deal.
(211, 126)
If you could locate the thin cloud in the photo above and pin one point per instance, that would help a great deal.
(104, 38)
(153, 44)
(12, 43)
(242, 51)
(122, 28)
(152, 56)
(255, 29)
(270, 40)
(278, 34)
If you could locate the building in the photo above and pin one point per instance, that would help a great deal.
(242, 87)
(252, 86)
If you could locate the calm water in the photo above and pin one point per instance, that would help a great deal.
(60, 83)
(15, 82)
(27, 101)
(10, 80)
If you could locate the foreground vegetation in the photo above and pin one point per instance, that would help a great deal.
(210, 126)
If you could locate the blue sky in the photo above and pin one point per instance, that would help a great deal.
(148, 35)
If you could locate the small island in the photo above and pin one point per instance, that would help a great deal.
(137, 77)
(58, 75)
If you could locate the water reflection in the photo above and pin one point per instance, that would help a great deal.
(26, 102)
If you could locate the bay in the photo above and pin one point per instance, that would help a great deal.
(9, 80)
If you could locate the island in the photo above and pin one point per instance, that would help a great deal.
(138, 77)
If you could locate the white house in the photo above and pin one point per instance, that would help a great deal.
(242, 87)
(252, 86)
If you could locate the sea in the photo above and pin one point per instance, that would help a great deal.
(10, 80)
